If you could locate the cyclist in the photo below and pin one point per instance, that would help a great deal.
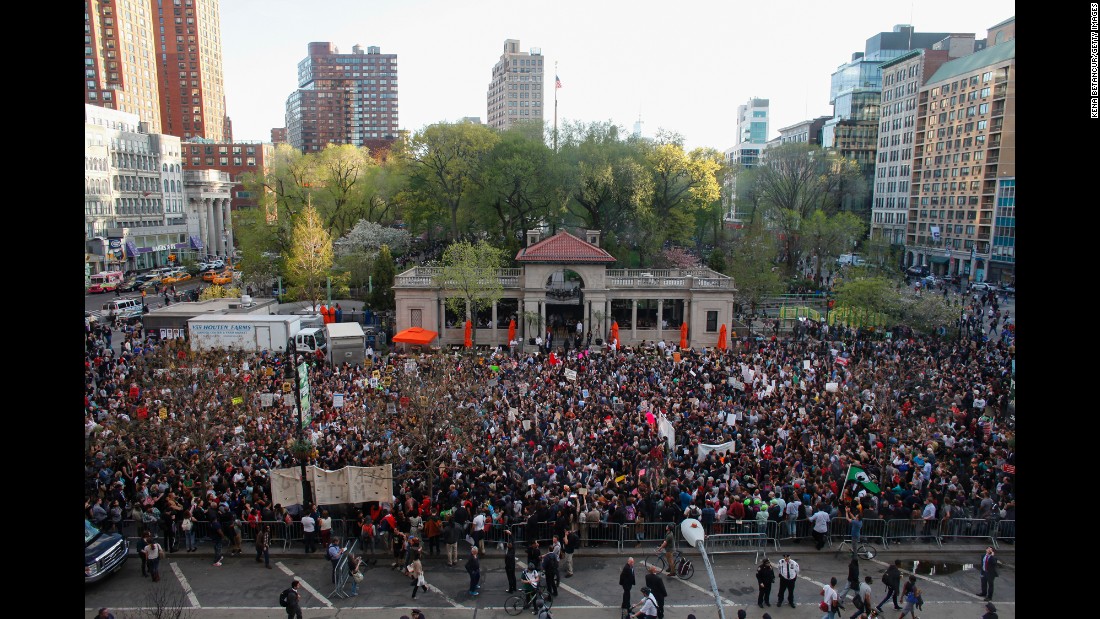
(530, 579)
(670, 541)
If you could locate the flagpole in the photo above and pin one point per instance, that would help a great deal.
(555, 106)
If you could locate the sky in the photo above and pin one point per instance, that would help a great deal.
(680, 66)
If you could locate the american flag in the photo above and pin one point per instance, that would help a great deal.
(557, 81)
(1009, 468)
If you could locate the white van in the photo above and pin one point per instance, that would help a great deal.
(125, 308)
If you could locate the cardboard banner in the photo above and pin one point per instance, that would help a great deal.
(329, 486)
(571, 375)
(665, 429)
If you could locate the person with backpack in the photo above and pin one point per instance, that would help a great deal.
(862, 599)
(892, 579)
(911, 596)
(291, 600)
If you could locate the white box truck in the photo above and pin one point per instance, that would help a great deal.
(347, 343)
(243, 332)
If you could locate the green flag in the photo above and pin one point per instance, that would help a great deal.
(857, 474)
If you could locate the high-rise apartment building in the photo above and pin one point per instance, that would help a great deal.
(120, 58)
(902, 78)
(963, 196)
(189, 61)
(515, 91)
(855, 94)
(278, 135)
(752, 133)
(343, 99)
(752, 138)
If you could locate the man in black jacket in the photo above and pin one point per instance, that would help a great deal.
(510, 561)
(988, 573)
(892, 580)
(657, 587)
(473, 568)
(626, 581)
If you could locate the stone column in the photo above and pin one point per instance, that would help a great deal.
(219, 225)
(197, 212)
(633, 320)
(211, 229)
(228, 217)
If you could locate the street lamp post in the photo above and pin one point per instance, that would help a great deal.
(296, 377)
(692, 531)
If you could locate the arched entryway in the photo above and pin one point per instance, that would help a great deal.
(564, 301)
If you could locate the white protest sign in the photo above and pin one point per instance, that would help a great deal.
(831, 387)
(571, 375)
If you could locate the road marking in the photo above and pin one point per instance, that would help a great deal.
(373, 608)
(820, 584)
(186, 586)
(931, 580)
(582, 596)
(702, 590)
(446, 597)
(315, 593)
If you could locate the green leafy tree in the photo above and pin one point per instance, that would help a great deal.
(311, 257)
(261, 251)
(219, 292)
(517, 185)
(683, 183)
(341, 195)
(470, 276)
(382, 298)
(441, 161)
(753, 267)
(869, 294)
(826, 237)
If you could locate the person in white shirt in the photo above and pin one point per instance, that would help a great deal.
(309, 529)
(830, 599)
(821, 526)
(788, 574)
(478, 531)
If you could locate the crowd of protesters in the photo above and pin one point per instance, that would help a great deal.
(175, 436)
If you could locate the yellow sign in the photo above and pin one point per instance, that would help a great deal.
(376, 374)
(163, 413)
(386, 381)
(287, 386)
(238, 400)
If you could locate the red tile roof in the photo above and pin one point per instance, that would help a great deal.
(563, 247)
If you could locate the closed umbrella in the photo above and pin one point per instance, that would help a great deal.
(511, 330)
(615, 333)
(722, 338)
(469, 342)
(684, 335)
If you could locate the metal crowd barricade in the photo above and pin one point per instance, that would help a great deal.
(738, 536)
(599, 533)
(802, 529)
(874, 529)
(294, 533)
(651, 532)
(969, 528)
(342, 574)
(900, 530)
(1006, 530)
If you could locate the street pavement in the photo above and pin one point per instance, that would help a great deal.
(244, 589)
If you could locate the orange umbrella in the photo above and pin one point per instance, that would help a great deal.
(511, 330)
(615, 333)
(683, 335)
(469, 340)
(722, 338)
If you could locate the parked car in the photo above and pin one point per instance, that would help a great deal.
(1008, 290)
(917, 271)
(104, 553)
(982, 287)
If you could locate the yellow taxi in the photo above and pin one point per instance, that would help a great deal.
(223, 278)
(208, 276)
(175, 278)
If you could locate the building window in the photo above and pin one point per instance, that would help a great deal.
(712, 321)
(416, 317)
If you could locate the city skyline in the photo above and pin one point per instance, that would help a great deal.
(646, 58)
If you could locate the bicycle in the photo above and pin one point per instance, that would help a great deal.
(516, 604)
(863, 550)
(684, 568)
